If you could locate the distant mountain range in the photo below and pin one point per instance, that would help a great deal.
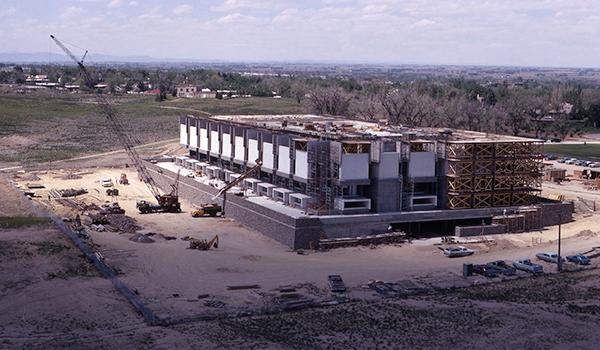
(53, 58)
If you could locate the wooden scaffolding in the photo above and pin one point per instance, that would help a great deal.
(493, 174)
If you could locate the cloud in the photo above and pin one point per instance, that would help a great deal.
(133, 3)
(8, 12)
(182, 9)
(72, 12)
(115, 3)
(236, 5)
(234, 18)
(424, 23)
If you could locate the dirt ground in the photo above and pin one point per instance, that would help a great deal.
(51, 298)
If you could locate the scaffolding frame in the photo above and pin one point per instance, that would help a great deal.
(492, 174)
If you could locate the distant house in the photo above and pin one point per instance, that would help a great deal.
(190, 91)
(40, 78)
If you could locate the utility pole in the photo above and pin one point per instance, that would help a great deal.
(559, 261)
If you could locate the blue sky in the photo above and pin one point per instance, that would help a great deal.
(506, 32)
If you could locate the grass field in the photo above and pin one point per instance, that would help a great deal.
(587, 152)
(45, 127)
(21, 221)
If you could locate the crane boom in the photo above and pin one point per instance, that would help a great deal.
(115, 124)
(238, 180)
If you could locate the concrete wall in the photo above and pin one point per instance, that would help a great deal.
(193, 137)
(555, 213)
(203, 139)
(240, 151)
(284, 160)
(214, 142)
(296, 233)
(466, 231)
(386, 195)
(268, 156)
(388, 166)
(301, 169)
(183, 139)
(354, 166)
(252, 151)
(226, 145)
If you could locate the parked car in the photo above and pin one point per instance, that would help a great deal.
(336, 284)
(503, 267)
(528, 266)
(580, 162)
(587, 162)
(549, 257)
(555, 139)
(455, 252)
(579, 259)
(570, 161)
(486, 270)
(595, 165)
(107, 182)
(551, 157)
(562, 160)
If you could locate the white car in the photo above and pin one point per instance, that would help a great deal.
(106, 182)
(571, 161)
(458, 251)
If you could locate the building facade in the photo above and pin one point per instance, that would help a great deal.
(333, 166)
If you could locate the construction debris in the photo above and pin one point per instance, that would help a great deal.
(123, 222)
(141, 238)
(71, 192)
(384, 238)
(247, 286)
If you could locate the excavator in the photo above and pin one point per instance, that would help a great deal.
(166, 202)
(215, 209)
(202, 244)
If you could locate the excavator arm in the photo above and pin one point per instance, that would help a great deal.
(238, 180)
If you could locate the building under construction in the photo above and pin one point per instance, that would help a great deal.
(357, 177)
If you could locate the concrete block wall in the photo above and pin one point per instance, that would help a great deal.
(296, 233)
(556, 213)
(466, 231)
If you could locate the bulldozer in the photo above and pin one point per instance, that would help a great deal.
(207, 210)
(202, 244)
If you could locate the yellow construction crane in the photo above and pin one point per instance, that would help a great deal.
(166, 202)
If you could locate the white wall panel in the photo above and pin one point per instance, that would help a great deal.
(421, 164)
(214, 142)
(284, 159)
(193, 137)
(203, 139)
(226, 145)
(239, 148)
(301, 169)
(252, 151)
(267, 156)
(183, 134)
(355, 166)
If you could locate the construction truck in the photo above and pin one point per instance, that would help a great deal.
(207, 210)
(165, 202)
(123, 179)
(202, 244)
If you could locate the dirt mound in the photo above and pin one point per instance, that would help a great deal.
(587, 234)
(502, 244)
(141, 238)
